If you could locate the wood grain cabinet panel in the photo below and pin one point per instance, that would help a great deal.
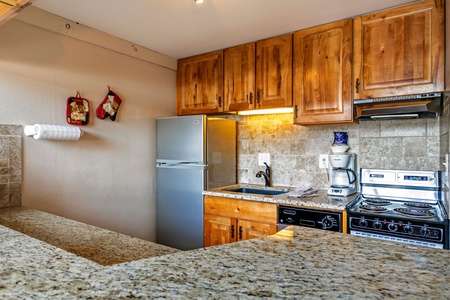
(323, 74)
(218, 230)
(239, 77)
(250, 230)
(399, 51)
(200, 84)
(274, 72)
(227, 220)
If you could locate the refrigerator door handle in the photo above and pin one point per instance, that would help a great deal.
(181, 165)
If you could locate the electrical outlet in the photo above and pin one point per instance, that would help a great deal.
(323, 161)
(263, 158)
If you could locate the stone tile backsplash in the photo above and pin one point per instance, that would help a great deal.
(10, 165)
(294, 149)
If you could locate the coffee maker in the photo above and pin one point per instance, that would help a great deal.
(342, 177)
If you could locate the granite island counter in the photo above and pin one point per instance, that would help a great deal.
(297, 262)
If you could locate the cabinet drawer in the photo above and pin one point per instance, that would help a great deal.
(241, 209)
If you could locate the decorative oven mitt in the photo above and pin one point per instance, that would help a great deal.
(77, 110)
(109, 106)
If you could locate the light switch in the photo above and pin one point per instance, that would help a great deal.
(263, 158)
(323, 161)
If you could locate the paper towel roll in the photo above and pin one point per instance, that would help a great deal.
(53, 132)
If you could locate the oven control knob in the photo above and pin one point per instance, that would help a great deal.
(363, 223)
(328, 222)
(377, 225)
(392, 227)
(434, 233)
(424, 231)
(408, 229)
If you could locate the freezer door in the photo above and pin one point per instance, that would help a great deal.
(181, 139)
(179, 206)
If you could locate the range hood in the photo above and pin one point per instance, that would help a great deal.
(399, 107)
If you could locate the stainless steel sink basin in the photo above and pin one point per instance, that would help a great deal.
(246, 190)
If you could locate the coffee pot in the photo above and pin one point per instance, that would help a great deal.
(342, 177)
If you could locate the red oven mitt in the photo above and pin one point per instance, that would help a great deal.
(77, 110)
(109, 106)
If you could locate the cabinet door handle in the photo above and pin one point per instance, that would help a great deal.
(250, 98)
(232, 231)
(257, 97)
(240, 232)
(219, 101)
(357, 83)
(295, 111)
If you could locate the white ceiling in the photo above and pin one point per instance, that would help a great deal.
(181, 28)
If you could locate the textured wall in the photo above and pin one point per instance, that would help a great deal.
(10, 165)
(294, 150)
(107, 177)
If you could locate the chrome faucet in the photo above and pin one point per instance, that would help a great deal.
(266, 174)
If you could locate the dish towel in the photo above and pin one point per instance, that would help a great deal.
(303, 192)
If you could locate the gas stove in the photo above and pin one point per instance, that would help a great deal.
(401, 206)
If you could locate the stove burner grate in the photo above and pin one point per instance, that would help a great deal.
(418, 205)
(376, 201)
(414, 212)
(372, 208)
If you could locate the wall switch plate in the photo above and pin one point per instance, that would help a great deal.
(323, 161)
(263, 158)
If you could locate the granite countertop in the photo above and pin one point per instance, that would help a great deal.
(99, 245)
(322, 201)
(297, 262)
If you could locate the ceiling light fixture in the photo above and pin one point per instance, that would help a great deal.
(199, 1)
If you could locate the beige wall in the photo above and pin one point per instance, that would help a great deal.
(107, 177)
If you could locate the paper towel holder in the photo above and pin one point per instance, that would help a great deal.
(53, 132)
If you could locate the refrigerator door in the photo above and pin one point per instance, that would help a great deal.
(221, 145)
(181, 139)
(179, 209)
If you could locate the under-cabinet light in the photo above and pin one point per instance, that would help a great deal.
(199, 1)
(281, 110)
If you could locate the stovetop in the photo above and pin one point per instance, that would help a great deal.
(400, 194)
(412, 209)
(402, 206)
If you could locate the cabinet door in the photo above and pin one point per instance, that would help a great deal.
(239, 77)
(399, 51)
(241, 209)
(323, 74)
(200, 84)
(218, 230)
(274, 72)
(250, 230)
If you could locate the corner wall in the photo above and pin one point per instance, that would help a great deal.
(10, 165)
(107, 177)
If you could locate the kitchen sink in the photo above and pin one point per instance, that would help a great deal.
(246, 190)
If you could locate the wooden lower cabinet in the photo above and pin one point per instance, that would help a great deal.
(228, 220)
(218, 230)
(250, 230)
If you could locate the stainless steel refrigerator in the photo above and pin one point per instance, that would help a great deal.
(193, 153)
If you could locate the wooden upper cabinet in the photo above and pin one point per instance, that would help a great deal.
(399, 51)
(274, 72)
(10, 8)
(239, 77)
(323, 74)
(200, 84)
